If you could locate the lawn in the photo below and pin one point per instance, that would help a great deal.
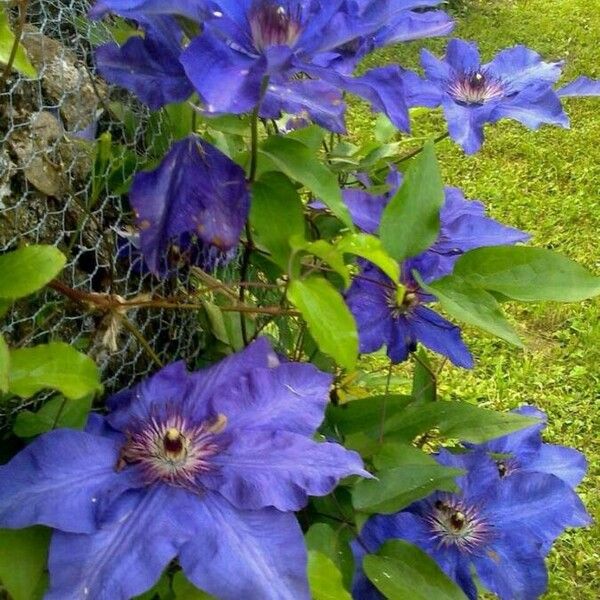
(547, 183)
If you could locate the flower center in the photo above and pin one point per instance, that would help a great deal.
(273, 24)
(402, 301)
(455, 523)
(475, 88)
(173, 451)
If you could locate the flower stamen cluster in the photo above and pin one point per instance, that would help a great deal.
(172, 450)
(273, 24)
(456, 523)
(475, 88)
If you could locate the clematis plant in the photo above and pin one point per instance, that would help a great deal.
(281, 466)
(206, 466)
(475, 528)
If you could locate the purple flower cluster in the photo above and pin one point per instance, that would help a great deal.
(206, 466)
(289, 56)
(397, 317)
(516, 498)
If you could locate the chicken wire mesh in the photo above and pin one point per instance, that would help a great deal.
(51, 194)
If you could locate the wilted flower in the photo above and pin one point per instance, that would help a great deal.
(206, 467)
(516, 84)
(496, 526)
(195, 204)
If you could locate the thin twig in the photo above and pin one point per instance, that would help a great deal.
(18, 33)
(384, 403)
(108, 303)
(137, 334)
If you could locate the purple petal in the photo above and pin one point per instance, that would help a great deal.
(367, 300)
(149, 66)
(169, 387)
(227, 81)
(279, 469)
(537, 504)
(291, 397)
(196, 190)
(520, 67)
(565, 463)
(132, 9)
(534, 106)
(258, 355)
(441, 336)
(436, 70)
(412, 25)
(512, 567)
(419, 91)
(126, 557)
(465, 123)
(582, 86)
(58, 481)
(401, 340)
(245, 554)
(319, 100)
(365, 209)
(463, 56)
(383, 88)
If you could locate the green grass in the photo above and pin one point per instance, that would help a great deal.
(547, 182)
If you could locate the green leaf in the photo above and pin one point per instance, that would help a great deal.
(370, 248)
(384, 130)
(28, 269)
(527, 274)
(328, 253)
(7, 40)
(299, 163)
(411, 221)
(457, 420)
(312, 136)
(184, 590)
(424, 384)
(329, 320)
(23, 556)
(4, 365)
(56, 366)
(57, 412)
(4, 306)
(365, 413)
(472, 305)
(407, 475)
(401, 571)
(324, 578)
(333, 543)
(277, 215)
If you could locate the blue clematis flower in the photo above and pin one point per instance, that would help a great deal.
(195, 204)
(247, 42)
(516, 84)
(206, 467)
(401, 321)
(494, 525)
(148, 66)
(524, 452)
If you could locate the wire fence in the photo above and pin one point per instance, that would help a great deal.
(51, 194)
